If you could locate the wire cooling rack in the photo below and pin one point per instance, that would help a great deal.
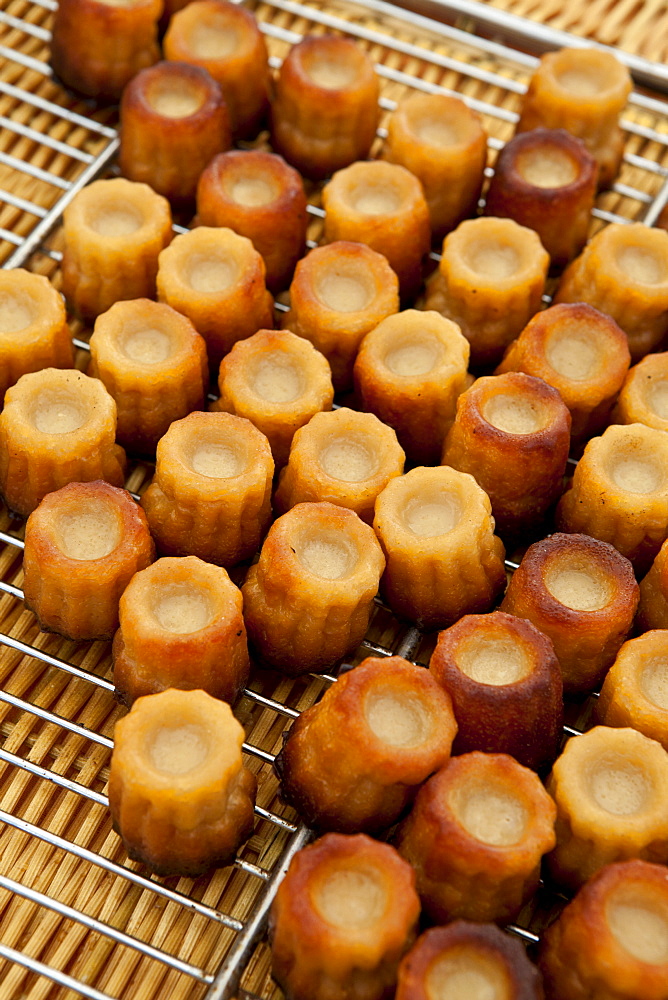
(76, 917)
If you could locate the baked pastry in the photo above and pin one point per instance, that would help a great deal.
(344, 457)
(224, 38)
(211, 493)
(216, 279)
(354, 761)
(583, 595)
(57, 427)
(475, 838)
(489, 281)
(546, 180)
(308, 600)
(611, 790)
(180, 796)
(173, 121)
(506, 688)
(622, 913)
(277, 381)
(325, 110)
(653, 607)
(180, 627)
(644, 395)
(623, 272)
(33, 327)
(339, 293)
(258, 195)
(409, 371)
(619, 492)
(635, 692)
(512, 434)
(342, 918)
(97, 46)
(584, 91)
(83, 544)
(383, 205)
(443, 558)
(153, 363)
(579, 351)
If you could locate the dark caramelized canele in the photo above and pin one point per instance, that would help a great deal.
(325, 110)
(653, 609)
(644, 396)
(546, 180)
(343, 916)
(173, 121)
(354, 760)
(582, 594)
(258, 195)
(505, 683)
(635, 689)
(512, 434)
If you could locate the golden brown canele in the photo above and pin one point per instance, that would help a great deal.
(611, 790)
(57, 427)
(97, 46)
(635, 690)
(354, 761)
(338, 294)
(383, 205)
(325, 110)
(490, 281)
(583, 91)
(343, 457)
(505, 683)
(211, 493)
(180, 796)
(224, 39)
(653, 607)
(114, 231)
(546, 180)
(622, 914)
(644, 395)
(410, 371)
(579, 351)
(343, 916)
(309, 598)
(180, 627)
(442, 141)
(583, 595)
(475, 838)
(83, 545)
(173, 121)
(216, 279)
(623, 271)
(469, 960)
(512, 434)
(443, 558)
(153, 363)
(33, 327)
(277, 381)
(258, 195)
(619, 492)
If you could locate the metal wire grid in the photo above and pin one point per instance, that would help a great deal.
(84, 168)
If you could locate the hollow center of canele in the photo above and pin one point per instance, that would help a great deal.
(57, 413)
(428, 516)
(277, 379)
(176, 750)
(490, 813)
(217, 461)
(16, 313)
(351, 897)
(546, 167)
(252, 192)
(578, 585)
(619, 787)
(331, 74)
(654, 681)
(493, 661)
(572, 355)
(657, 398)
(116, 219)
(492, 259)
(348, 460)
(437, 132)
(147, 346)
(464, 973)
(514, 414)
(583, 81)
(415, 357)
(175, 98)
(326, 555)
(636, 473)
(182, 609)
(91, 532)
(211, 39)
(343, 291)
(375, 199)
(642, 265)
(396, 718)
(209, 273)
(639, 924)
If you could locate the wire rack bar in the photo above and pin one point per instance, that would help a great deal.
(27, 97)
(22, 204)
(56, 720)
(55, 779)
(23, 167)
(25, 26)
(36, 65)
(54, 661)
(45, 140)
(61, 978)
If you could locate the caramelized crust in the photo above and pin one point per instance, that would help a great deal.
(258, 195)
(583, 595)
(339, 293)
(443, 558)
(653, 608)
(644, 395)
(611, 790)
(475, 838)
(309, 598)
(410, 370)
(83, 544)
(179, 795)
(173, 121)
(634, 692)
(343, 916)
(153, 363)
(512, 434)
(354, 761)
(180, 627)
(325, 110)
